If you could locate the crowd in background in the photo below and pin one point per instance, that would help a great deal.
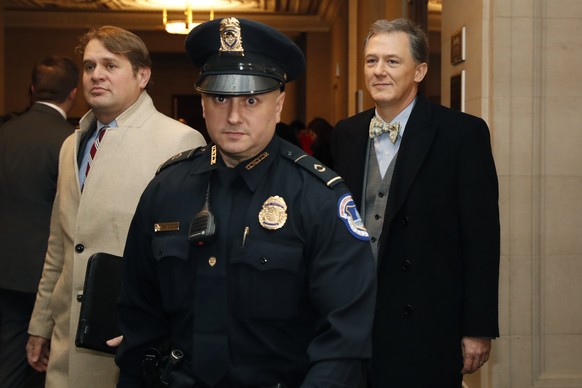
(315, 138)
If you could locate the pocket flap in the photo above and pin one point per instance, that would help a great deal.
(176, 246)
(268, 256)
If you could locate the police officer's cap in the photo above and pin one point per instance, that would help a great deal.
(242, 57)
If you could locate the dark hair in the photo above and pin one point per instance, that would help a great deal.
(286, 132)
(119, 41)
(297, 125)
(53, 78)
(417, 37)
(322, 129)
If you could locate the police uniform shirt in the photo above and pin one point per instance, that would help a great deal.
(280, 296)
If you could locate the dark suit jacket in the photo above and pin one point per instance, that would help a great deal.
(29, 153)
(438, 260)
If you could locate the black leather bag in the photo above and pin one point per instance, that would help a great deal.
(98, 318)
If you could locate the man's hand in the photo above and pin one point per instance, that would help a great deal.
(37, 352)
(114, 342)
(475, 353)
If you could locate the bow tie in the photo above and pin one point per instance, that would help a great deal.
(378, 127)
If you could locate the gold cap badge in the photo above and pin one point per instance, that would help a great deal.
(230, 37)
(274, 213)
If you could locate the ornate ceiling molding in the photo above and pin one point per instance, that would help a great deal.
(286, 15)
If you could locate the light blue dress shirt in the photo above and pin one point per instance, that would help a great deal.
(386, 150)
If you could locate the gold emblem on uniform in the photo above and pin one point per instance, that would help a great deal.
(213, 155)
(252, 164)
(230, 37)
(212, 261)
(274, 213)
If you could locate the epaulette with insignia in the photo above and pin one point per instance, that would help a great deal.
(308, 162)
(184, 155)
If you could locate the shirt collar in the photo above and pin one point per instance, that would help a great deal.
(253, 169)
(56, 107)
(250, 170)
(100, 125)
(402, 117)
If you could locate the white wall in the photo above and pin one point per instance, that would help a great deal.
(523, 77)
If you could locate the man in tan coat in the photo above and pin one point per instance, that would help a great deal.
(93, 209)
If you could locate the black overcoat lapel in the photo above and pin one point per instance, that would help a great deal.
(357, 138)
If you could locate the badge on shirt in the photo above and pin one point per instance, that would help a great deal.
(349, 214)
(274, 213)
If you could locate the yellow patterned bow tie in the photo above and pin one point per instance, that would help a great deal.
(378, 127)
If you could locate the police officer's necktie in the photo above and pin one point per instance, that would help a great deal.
(378, 127)
(94, 148)
(210, 359)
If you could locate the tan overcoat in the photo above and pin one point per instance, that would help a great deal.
(97, 221)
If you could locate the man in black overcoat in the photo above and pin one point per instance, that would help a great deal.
(425, 183)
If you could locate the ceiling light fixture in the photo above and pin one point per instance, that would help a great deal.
(182, 27)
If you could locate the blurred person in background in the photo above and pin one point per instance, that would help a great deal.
(29, 152)
(321, 146)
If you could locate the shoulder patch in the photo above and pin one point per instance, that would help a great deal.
(349, 214)
(308, 162)
(184, 155)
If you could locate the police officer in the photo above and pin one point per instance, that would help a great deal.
(246, 257)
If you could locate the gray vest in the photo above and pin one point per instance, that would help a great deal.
(375, 197)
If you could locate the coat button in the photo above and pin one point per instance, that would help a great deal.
(377, 217)
(79, 248)
(373, 239)
(380, 194)
(404, 220)
(263, 260)
(406, 264)
(407, 309)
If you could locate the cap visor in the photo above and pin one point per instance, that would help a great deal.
(236, 84)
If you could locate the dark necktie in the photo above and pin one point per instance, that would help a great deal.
(210, 360)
